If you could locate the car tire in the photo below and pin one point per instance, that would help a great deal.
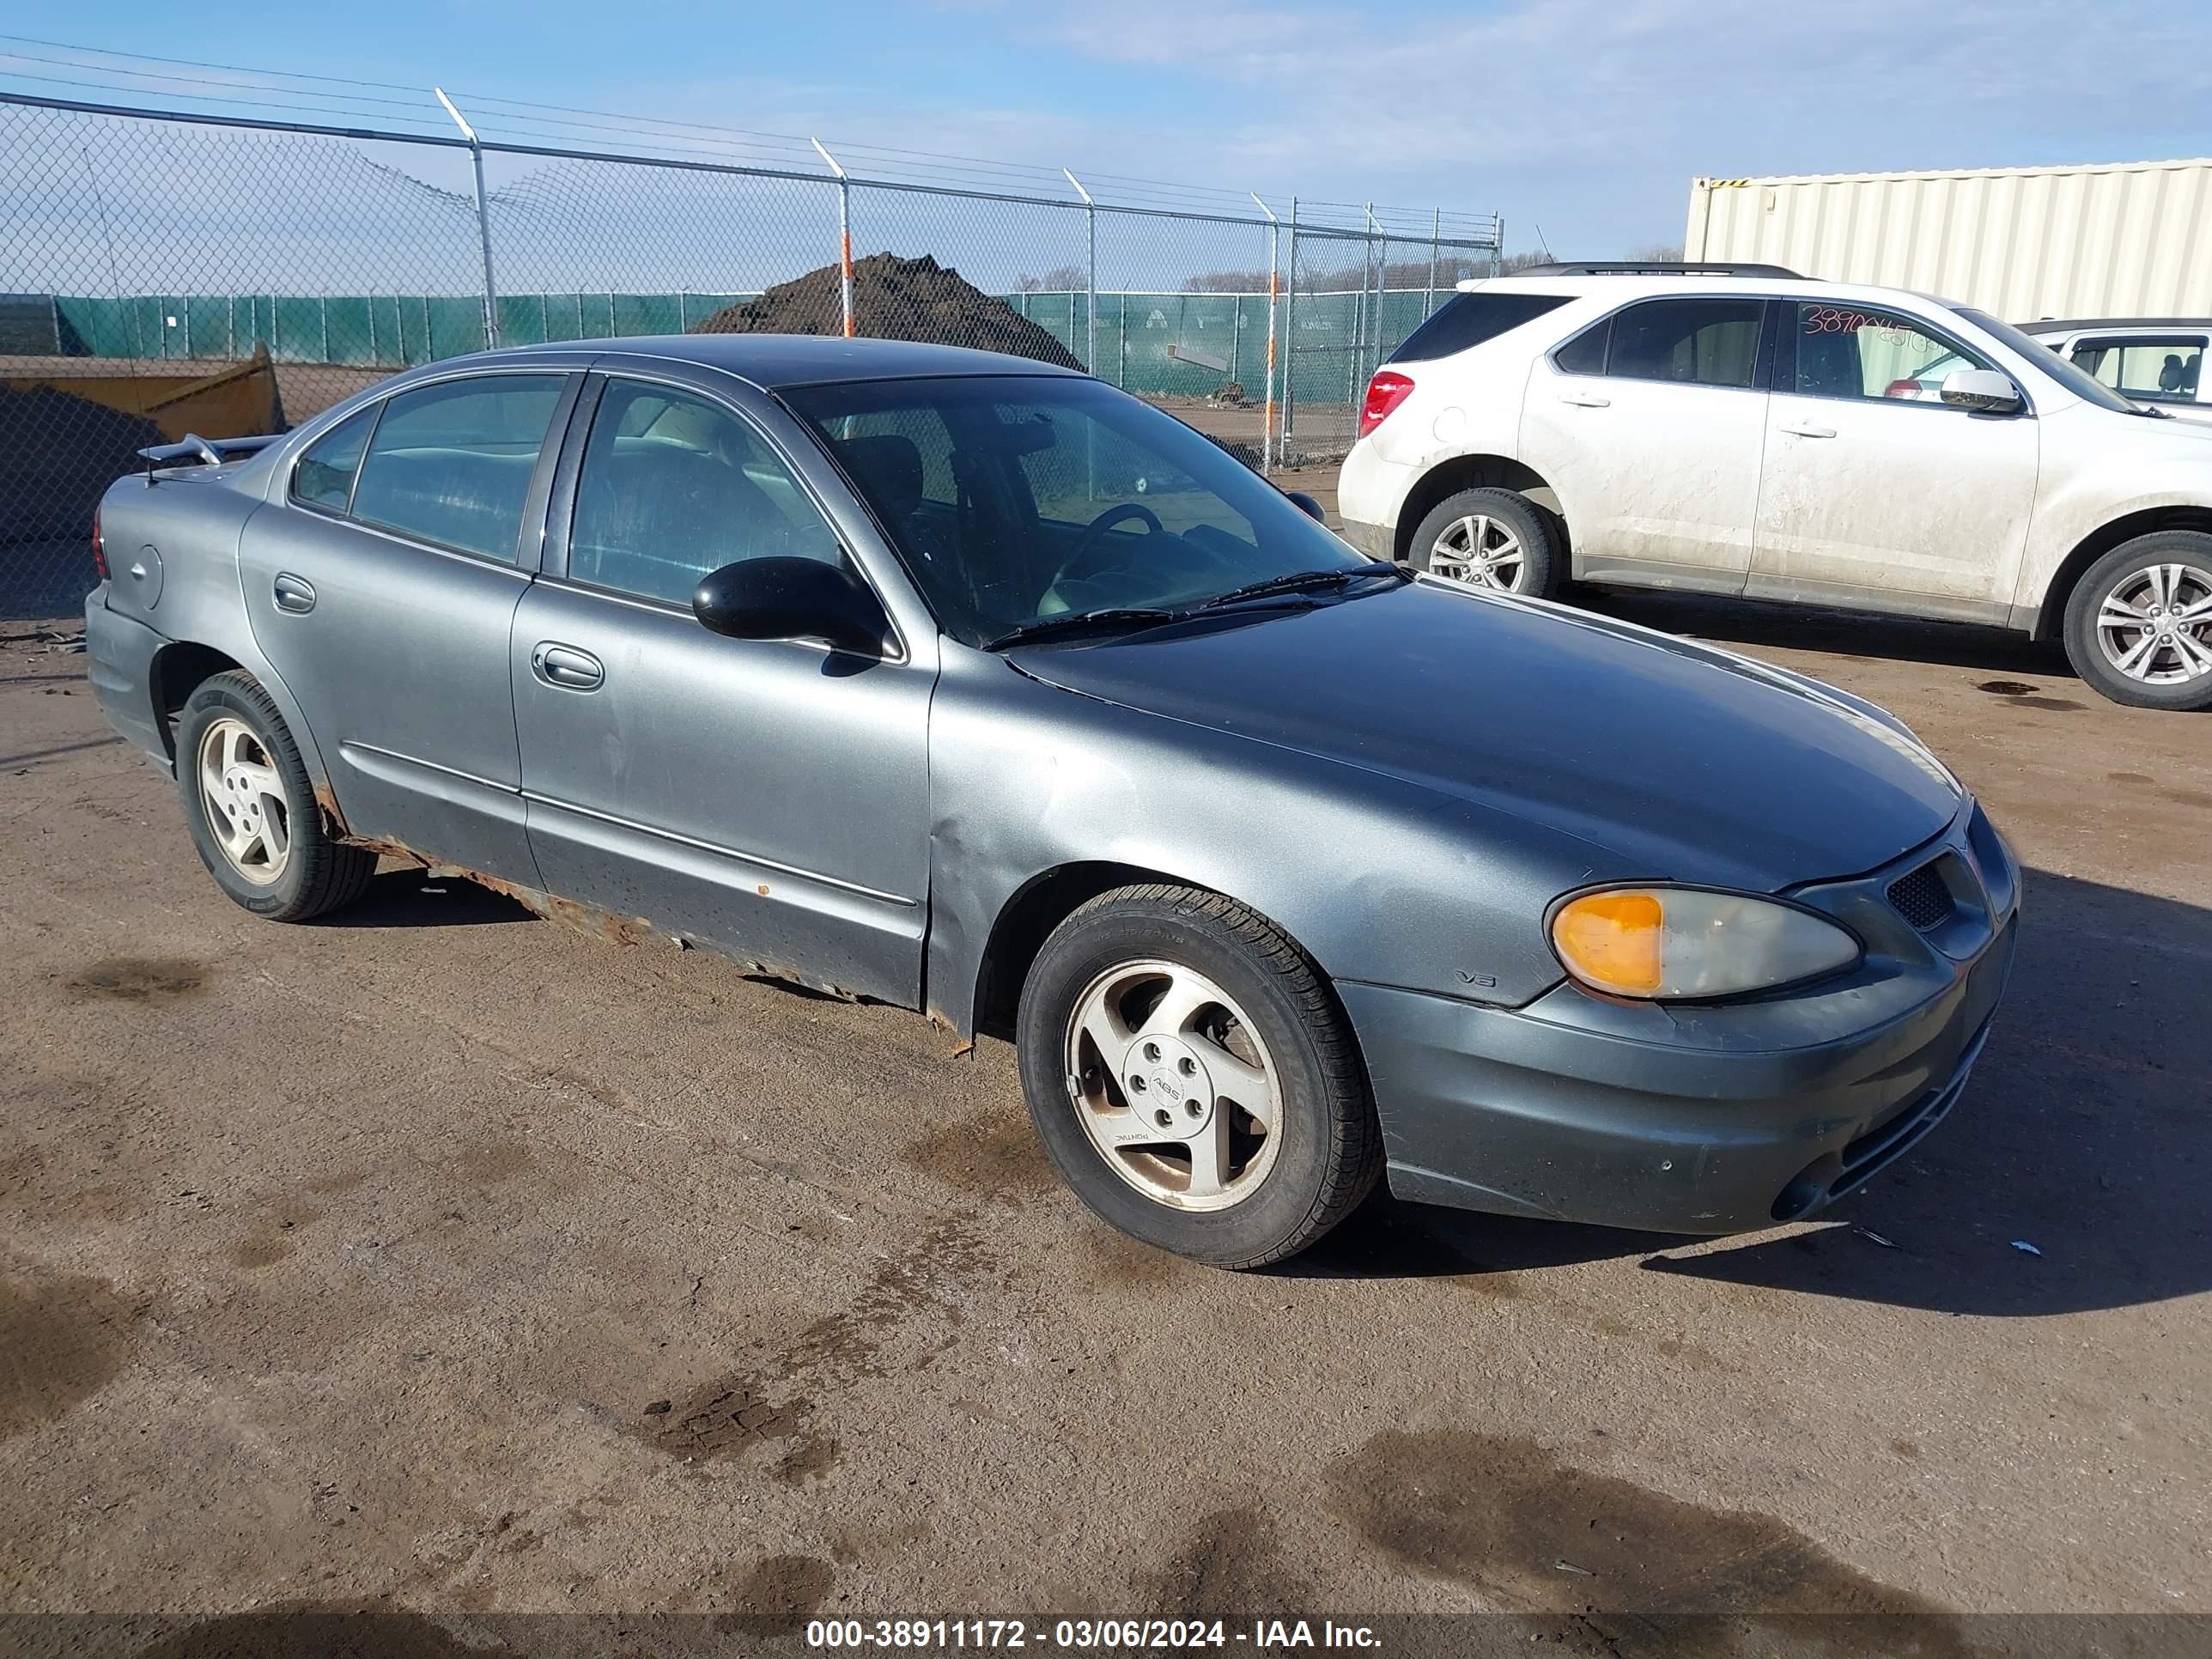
(1518, 540)
(251, 810)
(2162, 662)
(1210, 1002)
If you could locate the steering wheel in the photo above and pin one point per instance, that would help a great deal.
(1091, 542)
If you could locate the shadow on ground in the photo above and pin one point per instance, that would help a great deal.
(415, 898)
(1844, 633)
(2084, 1134)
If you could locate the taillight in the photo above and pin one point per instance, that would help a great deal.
(1384, 393)
(99, 550)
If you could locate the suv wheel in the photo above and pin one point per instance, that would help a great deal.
(1192, 1078)
(1496, 538)
(2139, 622)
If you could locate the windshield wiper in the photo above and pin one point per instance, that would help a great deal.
(1306, 581)
(1075, 621)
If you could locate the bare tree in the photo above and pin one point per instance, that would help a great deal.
(1060, 279)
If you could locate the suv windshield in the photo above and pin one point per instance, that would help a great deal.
(1016, 499)
(2084, 387)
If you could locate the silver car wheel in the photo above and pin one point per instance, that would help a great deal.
(1479, 550)
(1173, 1085)
(243, 798)
(2155, 625)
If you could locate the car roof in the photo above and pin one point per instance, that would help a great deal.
(775, 361)
(2057, 325)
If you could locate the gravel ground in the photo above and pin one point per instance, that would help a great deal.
(382, 1265)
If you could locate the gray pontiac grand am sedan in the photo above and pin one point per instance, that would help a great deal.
(980, 688)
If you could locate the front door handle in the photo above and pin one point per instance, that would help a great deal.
(567, 668)
(1806, 429)
(1585, 400)
(294, 594)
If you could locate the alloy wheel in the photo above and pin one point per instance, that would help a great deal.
(243, 798)
(2155, 625)
(1481, 550)
(1173, 1085)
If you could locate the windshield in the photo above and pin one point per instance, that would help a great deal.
(1016, 499)
(2058, 368)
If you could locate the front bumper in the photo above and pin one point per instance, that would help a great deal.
(120, 661)
(1706, 1120)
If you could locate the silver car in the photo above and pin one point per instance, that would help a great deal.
(983, 689)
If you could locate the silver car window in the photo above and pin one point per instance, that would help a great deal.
(673, 485)
(1014, 499)
(324, 475)
(451, 463)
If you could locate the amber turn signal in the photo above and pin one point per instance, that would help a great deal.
(1692, 942)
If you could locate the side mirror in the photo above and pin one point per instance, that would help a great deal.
(791, 599)
(1307, 505)
(1984, 391)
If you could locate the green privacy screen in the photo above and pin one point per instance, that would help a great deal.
(1161, 345)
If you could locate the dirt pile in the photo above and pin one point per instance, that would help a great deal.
(893, 298)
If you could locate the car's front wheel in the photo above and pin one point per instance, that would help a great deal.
(2139, 622)
(1491, 538)
(1192, 1078)
(251, 809)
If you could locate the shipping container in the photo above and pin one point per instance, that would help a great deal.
(2127, 239)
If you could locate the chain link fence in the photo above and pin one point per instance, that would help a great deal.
(163, 273)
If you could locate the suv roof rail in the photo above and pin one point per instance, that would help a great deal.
(1656, 268)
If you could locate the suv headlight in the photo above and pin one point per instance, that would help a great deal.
(1655, 942)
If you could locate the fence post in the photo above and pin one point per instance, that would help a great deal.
(1091, 276)
(844, 233)
(483, 222)
(1267, 446)
(1496, 242)
(1291, 336)
(1435, 235)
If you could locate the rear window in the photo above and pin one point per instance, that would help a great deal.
(1468, 319)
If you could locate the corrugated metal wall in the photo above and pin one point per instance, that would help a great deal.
(2131, 240)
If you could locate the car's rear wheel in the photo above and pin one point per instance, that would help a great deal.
(1192, 1078)
(2139, 622)
(251, 809)
(1491, 538)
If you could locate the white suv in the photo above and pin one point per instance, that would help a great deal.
(1742, 431)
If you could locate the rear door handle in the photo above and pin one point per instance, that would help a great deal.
(1806, 429)
(1585, 400)
(294, 594)
(567, 668)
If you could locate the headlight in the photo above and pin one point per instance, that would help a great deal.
(1686, 942)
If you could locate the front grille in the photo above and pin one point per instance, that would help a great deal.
(1922, 898)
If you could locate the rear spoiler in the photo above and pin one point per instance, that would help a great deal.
(207, 451)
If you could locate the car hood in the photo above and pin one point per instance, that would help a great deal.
(1685, 762)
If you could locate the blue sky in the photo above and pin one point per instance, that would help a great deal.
(1586, 117)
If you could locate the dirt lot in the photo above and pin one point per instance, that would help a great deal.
(387, 1264)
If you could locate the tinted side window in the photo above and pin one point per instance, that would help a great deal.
(1468, 319)
(1585, 353)
(1696, 342)
(324, 476)
(451, 463)
(674, 485)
